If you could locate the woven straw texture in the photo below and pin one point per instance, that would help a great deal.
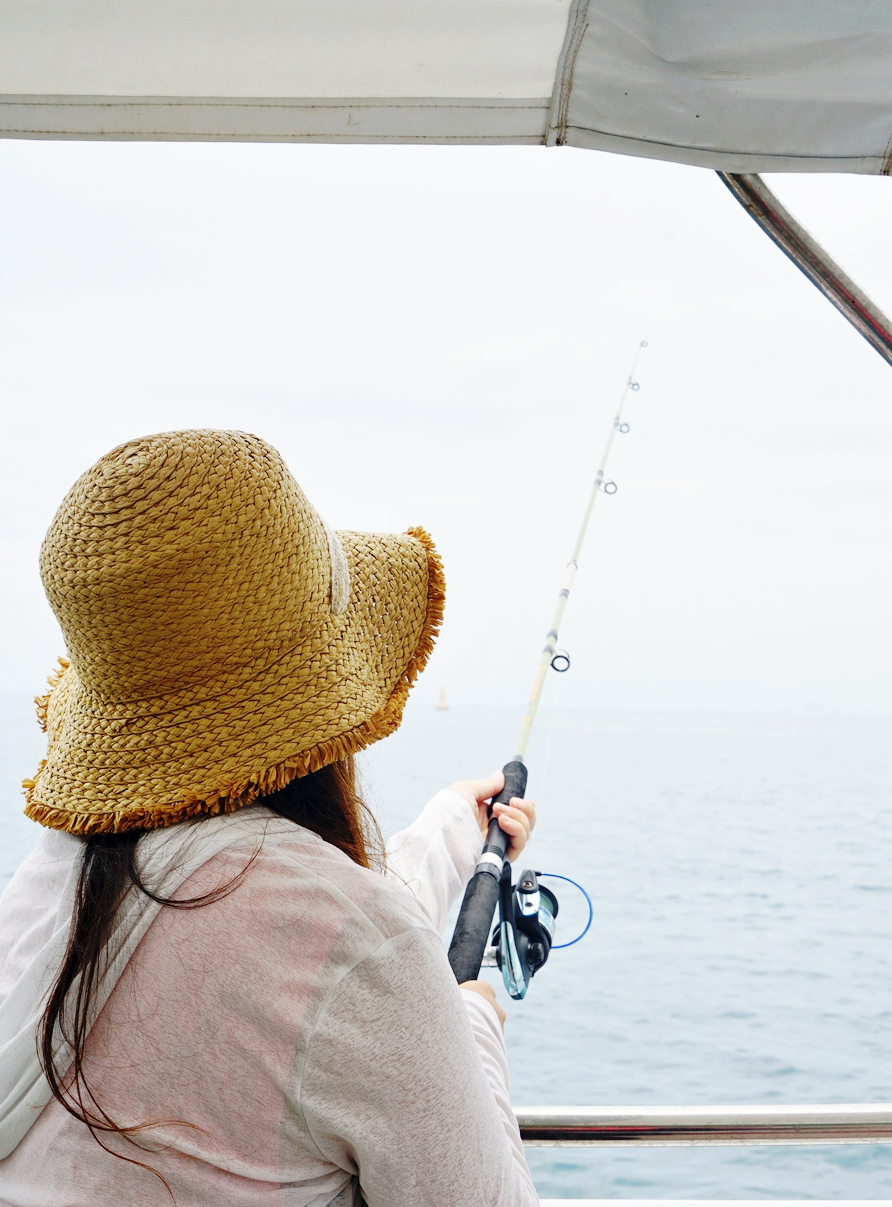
(193, 583)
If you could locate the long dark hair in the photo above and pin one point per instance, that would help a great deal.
(325, 801)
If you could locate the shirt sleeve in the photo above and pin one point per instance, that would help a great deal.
(405, 1086)
(435, 857)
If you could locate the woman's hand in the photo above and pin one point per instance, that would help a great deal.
(517, 818)
(486, 991)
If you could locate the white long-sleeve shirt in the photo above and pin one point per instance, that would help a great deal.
(300, 1041)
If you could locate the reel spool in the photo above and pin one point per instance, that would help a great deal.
(523, 938)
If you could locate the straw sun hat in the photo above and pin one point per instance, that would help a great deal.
(222, 640)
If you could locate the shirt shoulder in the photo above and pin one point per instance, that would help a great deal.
(293, 883)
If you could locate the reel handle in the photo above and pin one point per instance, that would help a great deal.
(471, 937)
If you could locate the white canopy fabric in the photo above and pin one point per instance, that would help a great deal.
(737, 85)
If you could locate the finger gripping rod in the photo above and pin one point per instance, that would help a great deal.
(482, 894)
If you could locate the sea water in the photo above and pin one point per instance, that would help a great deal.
(740, 868)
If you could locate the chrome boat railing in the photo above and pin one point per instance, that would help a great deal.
(589, 1125)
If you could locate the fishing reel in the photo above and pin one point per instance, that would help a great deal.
(523, 938)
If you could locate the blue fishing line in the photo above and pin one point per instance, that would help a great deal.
(591, 911)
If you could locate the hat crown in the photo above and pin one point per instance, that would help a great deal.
(182, 557)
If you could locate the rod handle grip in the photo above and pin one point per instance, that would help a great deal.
(471, 937)
(473, 926)
(515, 774)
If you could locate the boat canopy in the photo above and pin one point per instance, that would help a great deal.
(742, 86)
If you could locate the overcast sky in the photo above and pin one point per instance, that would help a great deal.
(439, 336)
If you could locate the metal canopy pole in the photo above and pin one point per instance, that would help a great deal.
(807, 254)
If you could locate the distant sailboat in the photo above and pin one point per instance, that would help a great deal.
(441, 704)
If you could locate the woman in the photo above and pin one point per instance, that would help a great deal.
(209, 993)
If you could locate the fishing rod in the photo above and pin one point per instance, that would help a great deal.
(524, 936)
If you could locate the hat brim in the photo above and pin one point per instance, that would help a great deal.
(118, 765)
